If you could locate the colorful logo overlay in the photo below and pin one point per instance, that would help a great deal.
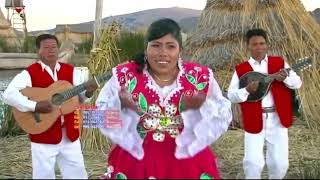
(92, 117)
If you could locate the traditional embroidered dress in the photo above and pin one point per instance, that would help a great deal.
(164, 141)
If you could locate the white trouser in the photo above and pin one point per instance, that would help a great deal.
(67, 154)
(276, 137)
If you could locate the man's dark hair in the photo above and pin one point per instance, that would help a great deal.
(44, 37)
(256, 32)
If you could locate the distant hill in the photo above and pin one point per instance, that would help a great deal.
(316, 14)
(141, 19)
(187, 19)
(145, 18)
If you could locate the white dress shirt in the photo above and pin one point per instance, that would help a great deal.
(237, 95)
(13, 97)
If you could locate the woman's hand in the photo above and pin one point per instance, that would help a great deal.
(193, 102)
(126, 100)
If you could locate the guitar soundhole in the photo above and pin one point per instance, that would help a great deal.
(57, 99)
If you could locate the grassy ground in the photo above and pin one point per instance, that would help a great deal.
(304, 146)
(15, 156)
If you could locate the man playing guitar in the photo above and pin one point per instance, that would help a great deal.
(61, 141)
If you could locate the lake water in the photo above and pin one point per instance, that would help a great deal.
(5, 78)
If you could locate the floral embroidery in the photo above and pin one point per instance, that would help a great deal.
(159, 116)
(161, 122)
(124, 70)
(205, 176)
(198, 69)
(181, 106)
(158, 136)
(108, 173)
(143, 104)
(142, 132)
(128, 79)
(121, 176)
(193, 77)
(132, 84)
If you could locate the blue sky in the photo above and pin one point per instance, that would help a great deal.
(45, 14)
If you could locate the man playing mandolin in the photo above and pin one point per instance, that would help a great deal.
(268, 118)
(60, 142)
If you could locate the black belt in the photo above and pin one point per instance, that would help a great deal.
(268, 109)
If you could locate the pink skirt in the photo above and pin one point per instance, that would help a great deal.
(159, 162)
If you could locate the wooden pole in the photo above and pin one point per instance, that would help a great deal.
(97, 23)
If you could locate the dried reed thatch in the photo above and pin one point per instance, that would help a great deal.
(102, 59)
(15, 156)
(218, 41)
(6, 31)
(4, 24)
(303, 155)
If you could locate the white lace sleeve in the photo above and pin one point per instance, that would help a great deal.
(205, 125)
(127, 136)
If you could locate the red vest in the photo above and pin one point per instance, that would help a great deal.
(252, 111)
(41, 78)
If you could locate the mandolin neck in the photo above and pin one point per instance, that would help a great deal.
(270, 78)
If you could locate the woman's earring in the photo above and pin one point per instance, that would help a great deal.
(179, 57)
(145, 59)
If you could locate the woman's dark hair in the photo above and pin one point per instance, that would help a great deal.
(44, 37)
(157, 30)
(256, 32)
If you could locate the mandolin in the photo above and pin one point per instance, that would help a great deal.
(266, 80)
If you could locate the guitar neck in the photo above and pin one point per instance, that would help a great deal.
(82, 87)
(75, 90)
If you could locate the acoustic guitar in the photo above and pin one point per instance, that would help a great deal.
(266, 80)
(64, 98)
